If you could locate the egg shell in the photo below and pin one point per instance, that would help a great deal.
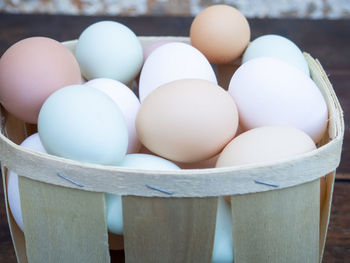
(221, 33)
(278, 47)
(209, 163)
(147, 50)
(187, 120)
(264, 144)
(114, 210)
(173, 61)
(268, 91)
(33, 143)
(223, 241)
(127, 102)
(108, 49)
(31, 70)
(83, 123)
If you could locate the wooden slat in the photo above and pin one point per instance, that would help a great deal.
(14, 128)
(168, 229)
(342, 176)
(30, 129)
(277, 226)
(338, 238)
(62, 224)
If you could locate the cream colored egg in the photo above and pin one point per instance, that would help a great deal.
(187, 120)
(264, 144)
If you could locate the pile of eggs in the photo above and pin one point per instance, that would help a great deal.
(182, 118)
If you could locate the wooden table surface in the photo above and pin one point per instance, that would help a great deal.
(329, 41)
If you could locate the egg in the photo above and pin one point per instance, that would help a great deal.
(147, 50)
(268, 91)
(147, 162)
(32, 69)
(187, 120)
(173, 61)
(263, 144)
(128, 103)
(33, 143)
(82, 123)
(223, 241)
(278, 47)
(221, 33)
(109, 49)
(209, 163)
(114, 210)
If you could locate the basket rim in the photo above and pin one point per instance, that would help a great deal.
(186, 182)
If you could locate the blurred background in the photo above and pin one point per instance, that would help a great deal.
(315, 9)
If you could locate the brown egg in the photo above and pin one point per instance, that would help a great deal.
(263, 144)
(210, 163)
(187, 120)
(30, 71)
(221, 33)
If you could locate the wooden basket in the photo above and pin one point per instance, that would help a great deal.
(64, 222)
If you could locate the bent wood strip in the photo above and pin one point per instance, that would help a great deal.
(277, 226)
(184, 183)
(168, 229)
(62, 224)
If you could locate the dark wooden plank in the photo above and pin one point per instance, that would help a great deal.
(343, 176)
(326, 39)
(7, 253)
(338, 239)
(340, 80)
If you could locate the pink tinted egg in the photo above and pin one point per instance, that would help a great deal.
(147, 50)
(30, 71)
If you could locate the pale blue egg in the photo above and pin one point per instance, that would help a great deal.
(223, 242)
(278, 47)
(108, 49)
(82, 123)
(114, 202)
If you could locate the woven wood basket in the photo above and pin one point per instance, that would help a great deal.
(64, 222)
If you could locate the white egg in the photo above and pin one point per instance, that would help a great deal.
(128, 103)
(278, 47)
(33, 143)
(269, 92)
(114, 202)
(173, 61)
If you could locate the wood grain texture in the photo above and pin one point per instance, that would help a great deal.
(168, 230)
(338, 238)
(63, 225)
(277, 226)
